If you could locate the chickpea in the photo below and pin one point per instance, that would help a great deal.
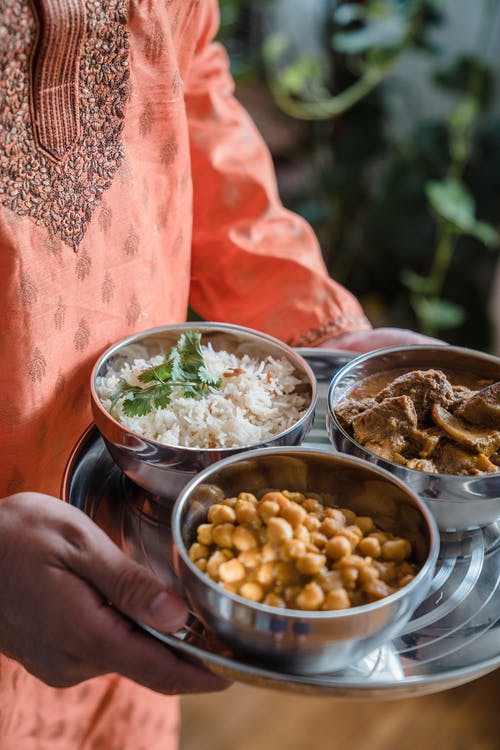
(273, 600)
(294, 514)
(349, 576)
(318, 540)
(336, 515)
(377, 590)
(370, 546)
(198, 551)
(275, 497)
(290, 594)
(329, 527)
(232, 586)
(219, 513)
(301, 533)
(246, 512)
(365, 523)
(311, 563)
(204, 534)
(297, 497)
(355, 530)
(312, 505)
(268, 509)
(215, 561)
(222, 534)
(285, 573)
(349, 516)
(368, 573)
(247, 497)
(202, 564)
(337, 598)
(230, 501)
(352, 537)
(396, 549)
(311, 597)
(329, 580)
(387, 570)
(337, 547)
(231, 571)
(250, 558)
(278, 530)
(312, 523)
(244, 539)
(265, 573)
(292, 549)
(252, 591)
(405, 580)
(268, 553)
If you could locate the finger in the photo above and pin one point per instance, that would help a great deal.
(114, 644)
(129, 586)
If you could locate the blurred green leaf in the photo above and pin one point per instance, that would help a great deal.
(437, 314)
(388, 32)
(415, 282)
(274, 47)
(452, 201)
(484, 232)
(346, 13)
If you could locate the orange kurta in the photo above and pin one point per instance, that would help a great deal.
(131, 183)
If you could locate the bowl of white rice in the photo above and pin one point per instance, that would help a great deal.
(251, 391)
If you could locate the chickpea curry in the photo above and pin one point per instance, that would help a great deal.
(291, 550)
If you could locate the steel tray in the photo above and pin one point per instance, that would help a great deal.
(453, 637)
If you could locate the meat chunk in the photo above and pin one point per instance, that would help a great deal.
(391, 448)
(422, 464)
(395, 415)
(481, 440)
(425, 442)
(424, 388)
(349, 408)
(482, 408)
(451, 459)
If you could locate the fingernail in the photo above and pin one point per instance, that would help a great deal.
(167, 612)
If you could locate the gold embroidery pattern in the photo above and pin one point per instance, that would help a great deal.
(62, 195)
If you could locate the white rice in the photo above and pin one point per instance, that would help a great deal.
(249, 408)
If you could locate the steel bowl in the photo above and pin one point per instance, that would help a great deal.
(295, 640)
(164, 469)
(458, 502)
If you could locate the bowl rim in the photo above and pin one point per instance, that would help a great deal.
(179, 547)
(209, 325)
(389, 350)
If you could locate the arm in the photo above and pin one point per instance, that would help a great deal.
(254, 263)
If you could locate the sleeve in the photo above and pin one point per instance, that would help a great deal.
(254, 263)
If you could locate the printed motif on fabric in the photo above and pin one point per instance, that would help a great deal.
(62, 193)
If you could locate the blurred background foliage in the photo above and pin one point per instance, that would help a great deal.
(402, 194)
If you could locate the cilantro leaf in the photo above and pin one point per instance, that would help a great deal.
(183, 366)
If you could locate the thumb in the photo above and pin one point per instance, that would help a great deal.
(130, 587)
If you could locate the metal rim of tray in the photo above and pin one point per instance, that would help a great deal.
(452, 638)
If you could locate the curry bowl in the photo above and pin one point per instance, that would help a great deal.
(430, 416)
(260, 597)
(278, 400)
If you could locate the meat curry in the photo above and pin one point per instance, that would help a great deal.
(429, 420)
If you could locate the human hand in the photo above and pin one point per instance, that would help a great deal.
(378, 338)
(58, 573)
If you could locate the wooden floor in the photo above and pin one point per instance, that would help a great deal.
(244, 718)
